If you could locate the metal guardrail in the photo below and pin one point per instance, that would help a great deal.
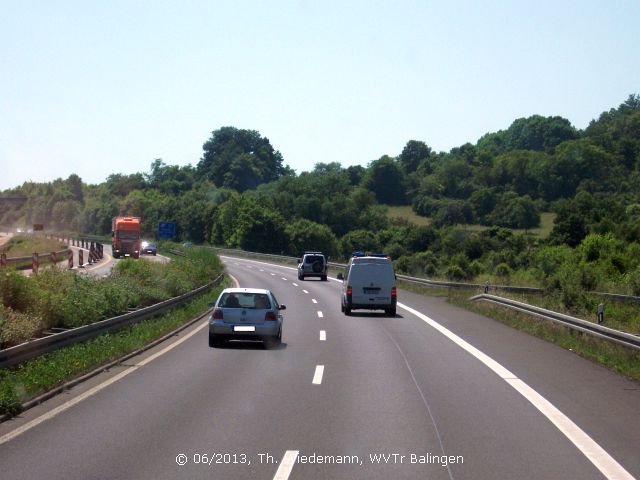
(442, 283)
(617, 336)
(42, 257)
(406, 278)
(33, 348)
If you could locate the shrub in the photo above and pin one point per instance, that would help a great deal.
(503, 271)
(16, 327)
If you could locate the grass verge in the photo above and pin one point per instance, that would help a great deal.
(36, 376)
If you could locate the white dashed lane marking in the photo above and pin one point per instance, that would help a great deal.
(294, 284)
(323, 335)
(305, 291)
(317, 376)
(286, 465)
(320, 314)
(314, 300)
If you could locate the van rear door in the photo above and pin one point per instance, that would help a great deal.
(371, 283)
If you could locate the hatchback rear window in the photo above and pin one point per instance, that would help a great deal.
(245, 300)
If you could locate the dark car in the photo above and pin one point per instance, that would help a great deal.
(149, 248)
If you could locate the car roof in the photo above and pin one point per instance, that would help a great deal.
(246, 290)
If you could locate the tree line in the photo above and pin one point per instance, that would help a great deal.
(241, 194)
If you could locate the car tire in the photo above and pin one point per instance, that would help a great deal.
(154, 254)
(214, 341)
(273, 342)
(391, 312)
(347, 311)
(324, 278)
(342, 307)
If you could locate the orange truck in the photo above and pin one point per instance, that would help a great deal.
(125, 236)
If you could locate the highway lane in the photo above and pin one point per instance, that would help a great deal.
(389, 385)
(475, 409)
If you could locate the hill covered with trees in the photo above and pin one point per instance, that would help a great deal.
(241, 194)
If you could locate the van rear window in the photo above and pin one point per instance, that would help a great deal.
(367, 272)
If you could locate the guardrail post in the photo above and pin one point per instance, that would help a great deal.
(54, 259)
(601, 314)
(80, 258)
(486, 286)
(70, 259)
(100, 251)
(90, 253)
(3, 260)
(35, 262)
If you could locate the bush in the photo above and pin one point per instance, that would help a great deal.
(16, 327)
(455, 273)
(503, 271)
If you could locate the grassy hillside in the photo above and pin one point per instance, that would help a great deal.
(25, 246)
(405, 212)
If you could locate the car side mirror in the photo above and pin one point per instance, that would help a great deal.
(282, 307)
(211, 305)
(340, 276)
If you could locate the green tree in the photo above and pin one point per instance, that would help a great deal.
(240, 159)
(305, 235)
(386, 180)
(413, 154)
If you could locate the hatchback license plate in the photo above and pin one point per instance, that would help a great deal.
(244, 329)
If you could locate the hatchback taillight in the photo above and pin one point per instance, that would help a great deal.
(217, 314)
(270, 316)
(393, 292)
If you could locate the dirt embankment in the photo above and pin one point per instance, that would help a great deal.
(4, 238)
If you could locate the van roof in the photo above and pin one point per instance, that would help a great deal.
(370, 259)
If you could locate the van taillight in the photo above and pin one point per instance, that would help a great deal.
(349, 290)
(217, 314)
(393, 292)
(270, 316)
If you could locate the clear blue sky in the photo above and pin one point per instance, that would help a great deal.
(96, 88)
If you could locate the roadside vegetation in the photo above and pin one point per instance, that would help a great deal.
(24, 246)
(60, 298)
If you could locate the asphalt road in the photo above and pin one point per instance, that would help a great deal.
(375, 391)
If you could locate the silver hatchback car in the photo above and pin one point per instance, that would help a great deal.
(246, 314)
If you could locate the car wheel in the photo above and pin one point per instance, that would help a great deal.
(341, 307)
(214, 341)
(347, 311)
(273, 342)
(324, 278)
(391, 311)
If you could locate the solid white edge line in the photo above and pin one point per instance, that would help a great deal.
(604, 462)
(323, 335)
(320, 314)
(317, 376)
(286, 465)
(65, 406)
